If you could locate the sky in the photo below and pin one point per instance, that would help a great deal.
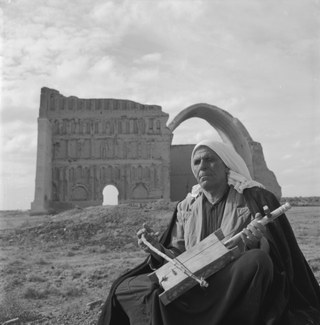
(258, 60)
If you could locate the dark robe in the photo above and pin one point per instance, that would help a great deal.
(293, 297)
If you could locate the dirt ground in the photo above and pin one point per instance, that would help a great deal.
(57, 269)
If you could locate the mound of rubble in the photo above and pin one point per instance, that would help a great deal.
(112, 226)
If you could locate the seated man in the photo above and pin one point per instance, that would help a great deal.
(270, 283)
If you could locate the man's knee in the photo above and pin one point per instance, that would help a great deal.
(258, 261)
(137, 286)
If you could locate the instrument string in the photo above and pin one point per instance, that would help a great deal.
(177, 263)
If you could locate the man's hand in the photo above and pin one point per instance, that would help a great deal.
(252, 235)
(150, 236)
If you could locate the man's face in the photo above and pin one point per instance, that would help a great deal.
(209, 169)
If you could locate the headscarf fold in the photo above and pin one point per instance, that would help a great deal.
(239, 176)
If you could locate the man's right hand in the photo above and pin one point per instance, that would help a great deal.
(151, 236)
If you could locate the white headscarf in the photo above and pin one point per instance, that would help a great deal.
(239, 176)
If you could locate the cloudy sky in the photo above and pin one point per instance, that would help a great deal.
(259, 60)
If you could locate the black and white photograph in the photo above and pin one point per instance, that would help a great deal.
(159, 162)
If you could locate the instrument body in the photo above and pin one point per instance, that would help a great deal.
(202, 260)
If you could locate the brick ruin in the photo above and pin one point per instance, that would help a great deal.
(86, 144)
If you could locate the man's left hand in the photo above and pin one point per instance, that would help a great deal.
(252, 235)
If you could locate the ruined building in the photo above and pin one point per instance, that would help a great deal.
(87, 144)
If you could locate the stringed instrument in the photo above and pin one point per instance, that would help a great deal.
(200, 261)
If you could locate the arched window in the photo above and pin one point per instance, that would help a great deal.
(110, 195)
(140, 192)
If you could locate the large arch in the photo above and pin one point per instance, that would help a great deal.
(232, 131)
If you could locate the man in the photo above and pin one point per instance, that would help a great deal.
(270, 283)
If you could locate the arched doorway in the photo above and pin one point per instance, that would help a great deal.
(110, 195)
(140, 192)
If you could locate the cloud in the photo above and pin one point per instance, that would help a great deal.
(72, 68)
(102, 66)
(149, 58)
(193, 131)
(183, 10)
(20, 144)
(286, 157)
(316, 140)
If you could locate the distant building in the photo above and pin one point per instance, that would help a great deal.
(86, 144)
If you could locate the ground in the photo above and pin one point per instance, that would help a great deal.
(53, 267)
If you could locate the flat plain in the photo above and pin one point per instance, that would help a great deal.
(58, 269)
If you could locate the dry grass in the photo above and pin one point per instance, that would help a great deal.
(305, 222)
(53, 266)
